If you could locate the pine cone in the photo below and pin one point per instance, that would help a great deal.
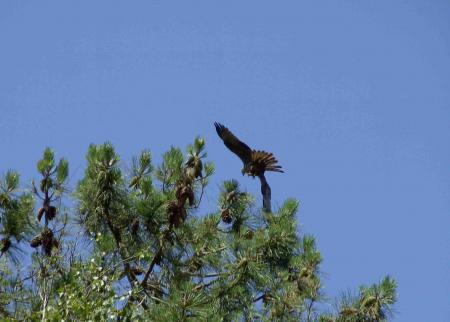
(47, 241)
(177, 214)
(40, 213)
(184, 192)
(136, 271)
(5, 243)
(36, 241)
(135, 226)
(226, 216)
(248, 235)
(51, 212)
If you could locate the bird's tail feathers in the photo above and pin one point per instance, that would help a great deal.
(267, 160)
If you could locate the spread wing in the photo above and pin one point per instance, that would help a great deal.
(236, 146)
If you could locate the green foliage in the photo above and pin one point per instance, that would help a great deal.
(101, 194)
(62, 171)
(11, 181)
(15, 215)
(140, 250)
(45, 165)
(171, 169)
(142, 168)
(373, 303)
(85, 292)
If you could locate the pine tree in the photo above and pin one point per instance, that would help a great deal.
(138, 245)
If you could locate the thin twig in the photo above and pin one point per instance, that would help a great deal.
(199, 200)
(152, 265)
(258, 298)
(311, 303)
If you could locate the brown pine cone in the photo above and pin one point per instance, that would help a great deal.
(40, 213)
(135, 226)
(36, 241)
(226, 216)
(5, 243)
(51, 212)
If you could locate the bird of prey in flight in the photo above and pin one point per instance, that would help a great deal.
(255, 162)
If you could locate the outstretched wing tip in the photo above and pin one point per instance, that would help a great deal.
(219, 128)
(236, 146)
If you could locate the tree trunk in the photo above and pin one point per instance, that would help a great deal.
(266, 193)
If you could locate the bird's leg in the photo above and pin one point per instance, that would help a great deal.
(266, 193)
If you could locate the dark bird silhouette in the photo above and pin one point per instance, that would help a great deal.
(256, 162)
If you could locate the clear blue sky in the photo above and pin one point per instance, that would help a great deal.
(352, 96)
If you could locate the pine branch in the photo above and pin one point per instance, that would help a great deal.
(152, 265)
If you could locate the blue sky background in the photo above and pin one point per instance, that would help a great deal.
(352, 96)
